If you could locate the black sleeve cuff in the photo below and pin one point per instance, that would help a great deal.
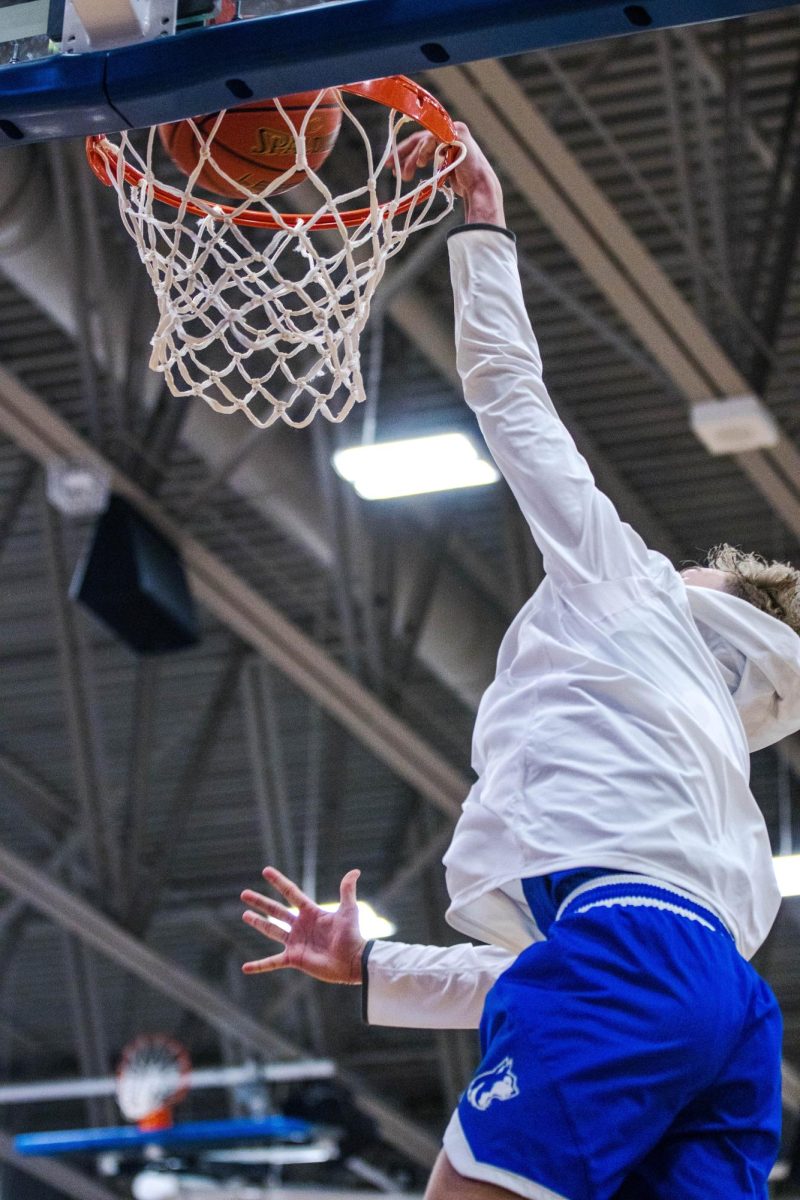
(481, 225)
(365, 953)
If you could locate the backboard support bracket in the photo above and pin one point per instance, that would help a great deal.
(103, 24)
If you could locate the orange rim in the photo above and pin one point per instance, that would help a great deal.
(160, 1119)
(395, 91)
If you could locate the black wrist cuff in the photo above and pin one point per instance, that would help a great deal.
(365, 953)
(481, 225)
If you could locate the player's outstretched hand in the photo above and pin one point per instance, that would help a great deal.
(474, 179)
(326, 945)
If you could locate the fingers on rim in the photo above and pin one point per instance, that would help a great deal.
(289, 890)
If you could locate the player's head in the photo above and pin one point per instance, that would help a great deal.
(748, 612)
(772, 587)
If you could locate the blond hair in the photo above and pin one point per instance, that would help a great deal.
(774, 587)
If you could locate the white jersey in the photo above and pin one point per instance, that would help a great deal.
(611, 735)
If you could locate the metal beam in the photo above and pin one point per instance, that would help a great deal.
(75, 915)
(81, 713)
(47, 807)
(14, 909)
(180, 805)
(137, 791)
(785, 257)
(265, 751)
(43, 434)
(87, 1022)
(665, 51)
(14, 502)
(69, 224)
(207, 1077)
(683, 236)
(551, 179)
(704, 65)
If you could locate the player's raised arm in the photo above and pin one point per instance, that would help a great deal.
(576, 526)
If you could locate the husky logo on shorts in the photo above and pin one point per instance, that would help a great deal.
(498, 1084)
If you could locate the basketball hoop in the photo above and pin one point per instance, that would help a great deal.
(260, 311)
(152, 1078)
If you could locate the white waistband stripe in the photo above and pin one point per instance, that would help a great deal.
(636, 881)
(646, 902)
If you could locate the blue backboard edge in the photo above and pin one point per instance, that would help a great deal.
(190, 73)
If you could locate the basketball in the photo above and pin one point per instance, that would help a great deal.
(255, 144)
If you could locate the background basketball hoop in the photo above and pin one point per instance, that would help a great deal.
(270, 325)
(152, 1078)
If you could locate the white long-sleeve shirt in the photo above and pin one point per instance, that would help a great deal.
(609, 736)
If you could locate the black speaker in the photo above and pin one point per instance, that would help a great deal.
(133, 579)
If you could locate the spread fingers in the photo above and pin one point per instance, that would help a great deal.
(277, 930)
(267, 907)
(260, 965)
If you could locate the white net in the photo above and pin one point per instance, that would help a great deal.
(267, 321)
(152, 1075)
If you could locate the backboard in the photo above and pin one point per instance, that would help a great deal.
(271, 1128)
(70, 67)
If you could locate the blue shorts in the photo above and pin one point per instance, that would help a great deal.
(634, 1055)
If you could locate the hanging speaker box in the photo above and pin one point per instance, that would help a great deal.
(133, 579)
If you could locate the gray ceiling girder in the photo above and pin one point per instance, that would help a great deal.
(137, 792)
(711, 74)
(178, 811)
(56, 1174)
(288, 499)
(81, 715)
(72, 913)
(577, 211)
(87, 1020)
(666, 51)
(268, 769)
(70, 223)
(16, 498)
(48, 807)
(707, 272)
(43, 434)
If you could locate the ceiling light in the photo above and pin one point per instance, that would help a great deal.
(787, 869)
(282, 1154)
(735, 425)
(370, 924)
(77, 489)
(410, 467)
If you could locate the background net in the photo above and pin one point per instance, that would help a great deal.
(152, 1076)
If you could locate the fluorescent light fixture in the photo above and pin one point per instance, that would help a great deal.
(734, 425)
(370, 923)
(412, 466)
(284, 1154)
(787, 869)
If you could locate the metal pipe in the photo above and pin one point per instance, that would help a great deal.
(207, 1078)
